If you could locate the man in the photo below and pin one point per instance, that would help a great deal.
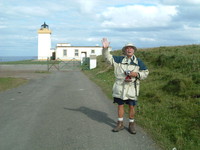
(128, 71)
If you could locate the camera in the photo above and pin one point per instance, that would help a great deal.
(128, 77)
(127, 72)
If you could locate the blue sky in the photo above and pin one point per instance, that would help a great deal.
(152, 23)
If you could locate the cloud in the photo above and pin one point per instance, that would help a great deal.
(138, 16)
(144, 39)
(87, 6)
(84, 22)
(27, 11)
(3, 26)
(194, 37)
(180, 2)
(34, 9)
(91, 39)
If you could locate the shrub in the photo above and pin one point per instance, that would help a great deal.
(154, 97)
(178, 86)
(164, 60)
(196, 77)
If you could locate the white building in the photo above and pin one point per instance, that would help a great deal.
(63, 51)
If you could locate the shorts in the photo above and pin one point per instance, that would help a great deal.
(119, 101)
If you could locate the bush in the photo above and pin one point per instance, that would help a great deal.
(196, 77)
(154, 97)
(178, 86)
(164, 60)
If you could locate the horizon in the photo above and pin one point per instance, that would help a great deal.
(112, 50)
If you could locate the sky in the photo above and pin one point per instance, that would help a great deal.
(145, 23)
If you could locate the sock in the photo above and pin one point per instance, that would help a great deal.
(131, 120)
(120, 119)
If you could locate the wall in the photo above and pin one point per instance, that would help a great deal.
(81, 49)
(44, 45)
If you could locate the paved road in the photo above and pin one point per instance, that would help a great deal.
(64, 111)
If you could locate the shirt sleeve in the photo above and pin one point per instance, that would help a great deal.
(143, 70)
(107, 56)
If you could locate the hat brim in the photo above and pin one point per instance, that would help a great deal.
(124, 48)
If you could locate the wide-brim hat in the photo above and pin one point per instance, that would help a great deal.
(128, 45)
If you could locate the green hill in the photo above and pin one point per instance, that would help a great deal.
(169, 101)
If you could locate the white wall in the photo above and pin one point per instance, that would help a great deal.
(44, 46)
(71, 52)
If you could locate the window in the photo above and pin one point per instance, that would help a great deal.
(76, 52)
(92, 51)
(64, 52)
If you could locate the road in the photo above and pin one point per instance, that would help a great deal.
(63, 111)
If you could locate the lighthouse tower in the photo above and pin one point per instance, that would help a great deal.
(44, 42)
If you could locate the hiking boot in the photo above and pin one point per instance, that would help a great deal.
(132, 128)
(119, 126)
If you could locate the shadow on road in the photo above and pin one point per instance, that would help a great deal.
(96, 115)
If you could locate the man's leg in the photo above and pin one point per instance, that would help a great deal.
(131, 119)
(120, 124)
(131, 111)
(120, 111)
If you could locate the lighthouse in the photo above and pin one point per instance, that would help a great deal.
(44, 42)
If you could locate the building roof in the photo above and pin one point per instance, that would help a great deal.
(80, 46)
(68, 45)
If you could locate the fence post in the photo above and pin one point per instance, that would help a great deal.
(93, 61)
(48, 64)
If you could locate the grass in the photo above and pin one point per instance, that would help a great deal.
(38, 71)
(8, 83)
(31, 62)
(24, 62)
(169, 101)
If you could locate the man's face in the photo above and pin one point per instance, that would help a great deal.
(129, 51)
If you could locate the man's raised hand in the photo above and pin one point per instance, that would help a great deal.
(105, 43)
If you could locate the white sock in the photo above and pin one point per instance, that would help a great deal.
(120, 119)
(131, 120)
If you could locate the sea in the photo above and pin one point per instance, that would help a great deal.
(16, 58)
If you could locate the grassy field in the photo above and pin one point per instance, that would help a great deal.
(29, 62)
(8, 83)
(169, 101)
